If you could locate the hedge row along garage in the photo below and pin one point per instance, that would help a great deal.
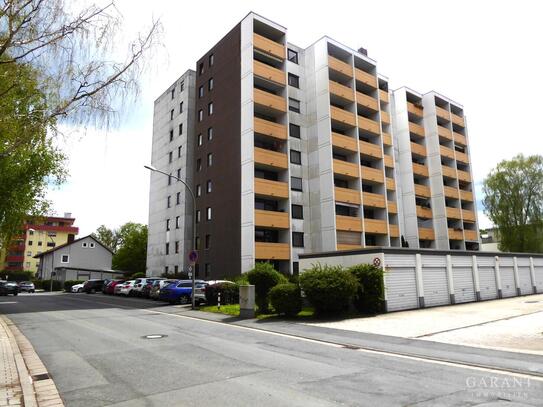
(418, 278)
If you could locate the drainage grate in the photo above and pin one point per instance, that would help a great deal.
(38, 377)
(154, 336)
(354, 347)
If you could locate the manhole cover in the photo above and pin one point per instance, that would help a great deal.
(154, 336)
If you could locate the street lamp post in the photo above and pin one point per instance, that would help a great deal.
(193, 272)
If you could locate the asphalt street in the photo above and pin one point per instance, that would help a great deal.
(95, 349)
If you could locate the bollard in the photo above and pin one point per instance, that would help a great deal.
(247, 301)
(219, 301)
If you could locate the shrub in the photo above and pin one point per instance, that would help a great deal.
(370, 296)
(328, 288)
(229, 293)
(46, 284)
(181, 275)
(69, 283)
(17, 275)
(286, 299)
(264, 277)
(137, 275)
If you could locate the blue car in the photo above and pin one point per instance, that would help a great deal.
(180, 292)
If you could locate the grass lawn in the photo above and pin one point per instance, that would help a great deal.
(305, 313)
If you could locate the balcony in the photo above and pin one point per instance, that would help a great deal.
(471, 235)
(271, 219)
(269, 73)
(394, 230)
(366, 78)
(378, 226)
(272, 251)
(341, 91)
(385, 117)
(391, 184)
(346, 195)
(348, 223)
(443, 113)
(446, 152)
(271, 158)
(464, 176)
(466, 195)
(450, 192)
(422, 190)
(343, 116)
(448, 172)
(268, 46)
(369, 125)
(345, 168)
(373, 200)
(340, 66)
(15, 258)
(367, 101)
(416, 129)
(420, 169)
(344, 142)
(392, 207)
(462, 157)
(418, 149)
(387, 139)
(269, 100)
(459, 120)
(426, 234)
(468, 216)
(271, 129)
(456, 234)
(460, 139)
(372, 174)
(414, 109)
(271, 189)
(389, 161)
(453, 213)
(370, 149)
(345, 246)
(444, 132)
(424, 213)
(383, 96)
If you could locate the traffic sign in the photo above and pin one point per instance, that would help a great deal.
(193, 256)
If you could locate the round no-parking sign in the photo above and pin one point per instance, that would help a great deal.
(377, 262)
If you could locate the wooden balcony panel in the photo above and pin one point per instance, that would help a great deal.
(268, 46)
(345, 246)
(367, 101)
(462, 157)
(443, 113)
(444, 132)
(464, 176)
(459, 120)
(468, 215)
(471, 235)
(391, 184)
(466, 195)
(385, 117)
(392, 207)
(342, 116)
(269, 72)
(346, 168)
(342, 91)
(394, 230)
(451, 192)
(424, 213)
(460, 139)
(420, 169)
(426, 234)
(348, 223)
(271, 158)
(272, 251)
(272, 189)
(369, 125)
(378, 226)
(416, 129)
(418, 149)
(446, 152)
(365, 77)
(370, 149)
(389, 161)
(383, 96)
(456, 234)
(271, 129)
(414, 109)
(448, 172)
(422, 191)
(344, 142)
(340, 66)
(372, 174)
(373, 200)
(387, 139)
(453, 213)
(346, 195)
(271, 219)
(270, 100)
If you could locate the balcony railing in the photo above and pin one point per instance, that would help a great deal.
(392, 207)
(346, 168)
(456, 234)
(424, 213)
(460, 139)
(365, 77)
(270, 100)
(418, 149)
(271, 129)
(346, 195)
(369, 125)
(345, 246)
(468, 216)
(389, 161)
(344, 142)
(420, 169)
(383, 96)
(378, 226)
(459, 120)
(416, 129)
(272, 251)
(370, 149)
(268, 46)
(422, 191)
(367, 101)
(413, 109)
(426, 234)
(448, 172)
(391, 184)
(453, 213)
(348, 223)
(269, 73)
(271, 158)
(385, 117)
(464, 176)
(471, 235)
(340, 66)
(443, 113)
(451, 192)
(271, 219)
(372, 174)
(341, 91)
(466, 195)
(446, 152)
(444, 132)
(342, 116)
(373, 200)
(394, 230)
(387, 139)
(462, 157)
(271, 189)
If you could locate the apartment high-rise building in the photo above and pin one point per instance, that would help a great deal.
(298, 150)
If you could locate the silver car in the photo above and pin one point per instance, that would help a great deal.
(27, 286)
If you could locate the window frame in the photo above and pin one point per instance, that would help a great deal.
(296, 80)
(67, 256)
(292, 56)
(295, 157)
(292, 108)
(296, 243)
(292, 188)
(208, 213)
(294, 208)
(299, 130)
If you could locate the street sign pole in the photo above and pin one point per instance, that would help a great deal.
(193, 258)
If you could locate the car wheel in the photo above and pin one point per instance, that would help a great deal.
(15, 294)
(93, 291)
(79, 290)
(32, 291)
(184, 299)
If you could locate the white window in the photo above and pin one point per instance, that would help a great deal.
(200, 140)
(52, 234)
(210, 109)
(208, 213)
(65, 258)
(200, 115)
(29, 254)
(91, 245)
(84, 244)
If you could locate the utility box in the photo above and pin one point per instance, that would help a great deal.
(247, 301)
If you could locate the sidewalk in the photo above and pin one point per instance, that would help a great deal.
(24, 381)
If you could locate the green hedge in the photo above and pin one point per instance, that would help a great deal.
(264, 277)
(45, 285)
(229, 293)
(370, 297)
(69, 283)
(286, 299)
(17, 275)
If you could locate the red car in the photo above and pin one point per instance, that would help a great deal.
(110, 288)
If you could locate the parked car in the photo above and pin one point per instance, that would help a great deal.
(93, 286)
(139, 286)
(9, 287)
(110, 287)
(27, 286)
(146, 292)
(126, 288)
(180, 292)
(106, 283)
(77, 288)
(157, 286)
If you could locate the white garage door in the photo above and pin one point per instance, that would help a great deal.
(487, 283)
(436, 290)
(525, 280)
(464, 288)
(538, 270)
(509, 288)
(401, 288)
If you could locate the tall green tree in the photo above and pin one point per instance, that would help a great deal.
(107, 236)
(514, 203)
(131, 255)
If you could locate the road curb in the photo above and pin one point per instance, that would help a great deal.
(39, 390)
